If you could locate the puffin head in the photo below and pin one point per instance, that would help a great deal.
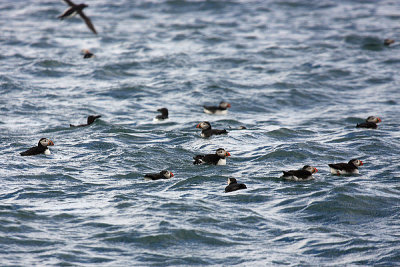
(356, 162)
(373, 119)
(45, 142)
(222, 153)
(224, 105)
(164, 111)
(167, 174)
(204, 125)
(232, 181)
(92, 118)
(310, 169)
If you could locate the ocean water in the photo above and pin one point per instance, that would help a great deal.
(299, 75)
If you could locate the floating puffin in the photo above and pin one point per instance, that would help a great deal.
(219, 158)
(77, 9)
(157, 176)
(205, 126)
(346, 168)
(87, 54)
(233, 185)
(90, 120)
(41, 148)
(370, 122)
(302, 174)
(388, 42)
(222, 109)
(163, 116)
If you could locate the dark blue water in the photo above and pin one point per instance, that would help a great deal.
(299, 75)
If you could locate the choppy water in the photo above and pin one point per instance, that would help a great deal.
(299, 76)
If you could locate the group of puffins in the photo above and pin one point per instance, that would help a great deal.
(220, 155)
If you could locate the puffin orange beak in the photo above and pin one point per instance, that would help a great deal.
(361, 163)
(172, 175)
(198, 125)
(315, 170)
(51, 143)
(379, 119)
(229, 105)
(227, 154)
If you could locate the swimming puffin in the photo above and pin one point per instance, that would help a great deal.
(41, 148)
(157, 176)
(219, 158)
(239, 128)
(233, 185)
(370, 122)
(77, 9)
(90, 120)
(222, 109)
(302, 174)
(207, 131)
(87, 54)
(346, 168)
(388, 42)
(163, 116)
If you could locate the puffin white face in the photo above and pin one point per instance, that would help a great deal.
(231, 180)
(204, 125)
(46, 142)
(357, 162)
(224, 104)
(374, 119)
(222, 153)
(168, 174)
(310, 169)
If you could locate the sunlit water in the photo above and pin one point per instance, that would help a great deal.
(299, 75)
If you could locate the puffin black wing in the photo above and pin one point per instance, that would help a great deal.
(209, 159)
(69, 3)
(234, 187)
(342, 167)
(371, 125)
(217, 132)
(87, 21)
(33, 151)
(154, 176)
(211, 108)
(198, 159)
(302, 174)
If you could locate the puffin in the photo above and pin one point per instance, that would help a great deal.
(370, 122)
(219, 158)
(77, 9)
(157, 176)
(90, 120)
(302, 174)
(233, 185)
(41, 148)
(388, 42)
(87, 54)
(222, 109)
(239, 128)
(163, 116)
(207, 131)
(346, 168)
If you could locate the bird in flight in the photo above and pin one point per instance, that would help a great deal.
(73, 9)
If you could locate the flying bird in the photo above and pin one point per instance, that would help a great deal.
(74, 9)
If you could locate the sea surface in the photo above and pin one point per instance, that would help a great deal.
(299, 75)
